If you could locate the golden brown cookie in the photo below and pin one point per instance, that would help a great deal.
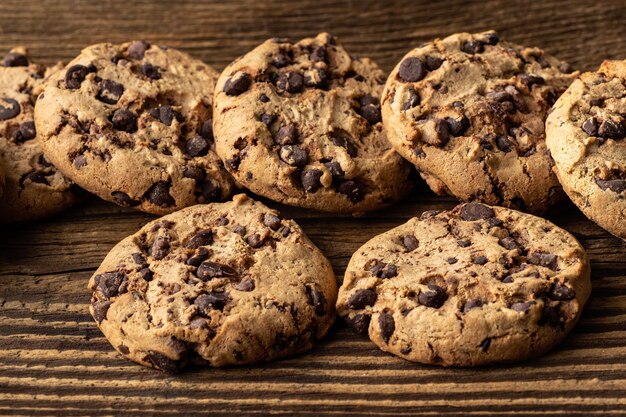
(466, 287)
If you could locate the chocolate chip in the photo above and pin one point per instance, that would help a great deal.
(201, 238)
(433, 63)
(410, 243)
(414, 100)
(196, 146)
(371, 114)
(504, 144)
(206, 131)
(165, 114)
(316, 78)
(121, 198)
(76, 74)
(268, 119)
(529, 80)
(211, 301)
(411, 70)
(452, 261)
(124, 120)
(317, 300)
(343, 140)
(123, 349)
(617, 186)
(361, 299)
(290, 81)
(547, 260)
(286, 135)
(146, 274)
(110, 284)
(294, 155)
(612, 129)
(464, 243)
(201, 255)
(561, 292)
(522, 306)
(508, 243)
(352, 190)
(272, 221)
(360, 322)
(476, 211)
(193, 172)
(335, 169)
(310, 179)
(100, 309)
(480, 260)
(240, 230)
(160, 248)
(318, 54)
(492, 38)
(10, 109)
(442, 129)
(162, 362)
(381, 269)
(25, 132)
(237, 84)
(565, 68)
(209, 270)
(457, 127)
(254, 241)
(590, 126)
(434, 297)
(282, 58)
(159, 194)
(151, 71)
(137, 49)
(471, 304)
(110, 92)
(37, 177)
(263, 98)
(13, 59)
(484, 345)
(472, 47)
(550, 316)
(387, 325)
(245, 285)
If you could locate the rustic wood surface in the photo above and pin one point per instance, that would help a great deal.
(53, 359)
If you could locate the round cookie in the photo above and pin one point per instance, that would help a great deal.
(33, 188)
(132, 123)
(300, 123)
(586, 135)
(471, 286)
(218, 284)
(469, 112)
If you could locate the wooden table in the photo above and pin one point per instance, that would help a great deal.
(53, 359)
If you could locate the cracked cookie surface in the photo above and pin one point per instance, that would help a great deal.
(33, 189)
(586, 135)
(300, 123)
(471, 286)
(469, 110)
(132, 123)
(217, 284)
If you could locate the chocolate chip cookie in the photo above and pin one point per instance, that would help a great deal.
(33, 187)
(469, 112)
(300, 123)
(132, 123)
(586, 135)
(466, 287)
(218, 284)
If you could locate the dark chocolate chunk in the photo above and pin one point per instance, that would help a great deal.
(254, 241)
(504, 144)
(245, 285)
(547, 260)
(590, 126)
(561, 292)
(209, 270)
(100, 309)
(14, 59)
(343, 140)
(268, 119)
(472, 47)
(200, 256)
(471, 304)
(411, 70)
(617, 186)
(476, 211)
(352, 190)
(317, 300)
(9, 108)
(414, 100)
(197, 146)
(484, 345)
(387, 325)
(286, 135)
(360, 322)
(159, 194)
(124, 120)
(381, 269)
(238, 84)
(410, 242)
(162, 362)
(294, 155)
(318, 54)
(110, 92)
(206, 131)
(25, 132)
(110, 284)
(272, 221)
(290, 81)
(137, 49)
(522, 306)
(76, 74)
(480, 260)
(612, 129)
(121, 198)
(310, 179)
(433, 63)
(362, 298)
(211, 301)
(457, 127)
(201, 238)
(160, 248)
(508, 243)
(433, 297)
(151, 71)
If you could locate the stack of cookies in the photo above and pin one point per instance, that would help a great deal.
(223, 280)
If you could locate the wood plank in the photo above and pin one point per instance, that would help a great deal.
(54, 360)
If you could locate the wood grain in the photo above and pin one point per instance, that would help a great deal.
(53, 359)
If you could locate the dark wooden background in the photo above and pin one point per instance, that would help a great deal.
(53, 359)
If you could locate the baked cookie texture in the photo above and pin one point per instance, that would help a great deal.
(300, 123)
(586, 135)
(472, 286)
(132, 123)
(217, 284)
(469, 110)
(33, 188)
